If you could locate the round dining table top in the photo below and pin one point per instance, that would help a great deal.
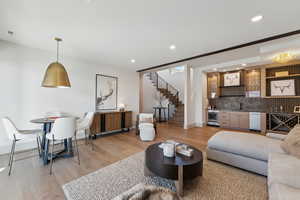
(46, 120)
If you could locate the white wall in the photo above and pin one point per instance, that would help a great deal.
(22, 97)
(200, 97)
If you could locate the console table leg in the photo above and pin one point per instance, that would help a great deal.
(179, 183)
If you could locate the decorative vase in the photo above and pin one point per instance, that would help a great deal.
(169, 150)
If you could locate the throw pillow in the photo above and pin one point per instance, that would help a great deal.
(291, 144)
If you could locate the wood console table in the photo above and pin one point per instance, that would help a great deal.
(111, 121)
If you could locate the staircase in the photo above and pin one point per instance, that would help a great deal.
(172, 94)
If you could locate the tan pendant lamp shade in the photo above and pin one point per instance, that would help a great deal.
(56, 75)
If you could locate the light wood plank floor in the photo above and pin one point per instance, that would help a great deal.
(30, 179)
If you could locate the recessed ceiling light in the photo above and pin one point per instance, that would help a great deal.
(132, 60)
(215, 69)
(244, 64)
(237, 68)
(172, 47)
(257, 18)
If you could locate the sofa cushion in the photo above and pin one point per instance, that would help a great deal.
(284, 169)
(291, 143)
(245, 144)
(283, 192)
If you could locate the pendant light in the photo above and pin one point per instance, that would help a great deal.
(56, 75)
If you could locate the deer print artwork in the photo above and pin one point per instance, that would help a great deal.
(283, 88)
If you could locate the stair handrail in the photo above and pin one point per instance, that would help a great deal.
(158, 79)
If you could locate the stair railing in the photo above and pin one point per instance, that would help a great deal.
(162, 84)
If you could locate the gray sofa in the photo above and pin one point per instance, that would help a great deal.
(262, 155)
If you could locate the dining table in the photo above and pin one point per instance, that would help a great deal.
(47, 124)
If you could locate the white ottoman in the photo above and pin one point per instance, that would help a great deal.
(147, 132)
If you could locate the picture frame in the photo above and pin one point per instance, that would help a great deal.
(106, 97)
(232, 79)
(283, 87)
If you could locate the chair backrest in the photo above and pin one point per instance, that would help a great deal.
(146, 117)
(87, 120)
(63, 128)
(10, 128)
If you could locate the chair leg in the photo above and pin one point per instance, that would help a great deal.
(11, 150)
(90, 138)
(92, 144)
(85, 137)
(51, 161)
(77, 150)
(12, 156)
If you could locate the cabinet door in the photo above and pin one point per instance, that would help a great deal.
(234, 120)
(112, 121)
(117, 121)
(128, 119)
(244, 120)
(224, 119)
(109, 122)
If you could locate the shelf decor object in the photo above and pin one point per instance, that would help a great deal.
(56, 75)
(283, 57)
(283, 88)
(281, 74)
(232, 79)
(106, 92)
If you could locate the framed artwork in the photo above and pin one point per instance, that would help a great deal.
(283, 88)
(232, 79)
(106, 92)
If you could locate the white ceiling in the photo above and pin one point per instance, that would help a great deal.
(113, 32)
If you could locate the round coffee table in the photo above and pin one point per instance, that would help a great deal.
(178, 168)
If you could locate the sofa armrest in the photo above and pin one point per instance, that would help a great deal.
(276, 136)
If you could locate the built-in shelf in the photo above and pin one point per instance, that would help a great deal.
(232, 96)
(237, 86)
(281, 97)
(288, 76)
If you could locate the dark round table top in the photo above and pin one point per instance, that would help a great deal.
(153, 152)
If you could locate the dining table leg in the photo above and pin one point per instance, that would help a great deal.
(46, 152)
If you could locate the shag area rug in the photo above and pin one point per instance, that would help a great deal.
(218, 182)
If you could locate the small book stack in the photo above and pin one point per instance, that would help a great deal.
(182, 149)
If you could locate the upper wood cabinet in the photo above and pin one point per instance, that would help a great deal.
(213, 85)
(252, 80)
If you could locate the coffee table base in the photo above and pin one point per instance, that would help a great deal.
(178, 183)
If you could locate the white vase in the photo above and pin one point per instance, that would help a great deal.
(169, 150)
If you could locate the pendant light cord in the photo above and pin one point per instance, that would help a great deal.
(57, 48)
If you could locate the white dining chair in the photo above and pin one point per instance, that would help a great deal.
(15, 135)
(84, 124)
(63, 128)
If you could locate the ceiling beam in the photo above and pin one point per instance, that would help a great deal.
(275, 37)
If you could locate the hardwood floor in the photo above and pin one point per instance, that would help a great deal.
(30, 179)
